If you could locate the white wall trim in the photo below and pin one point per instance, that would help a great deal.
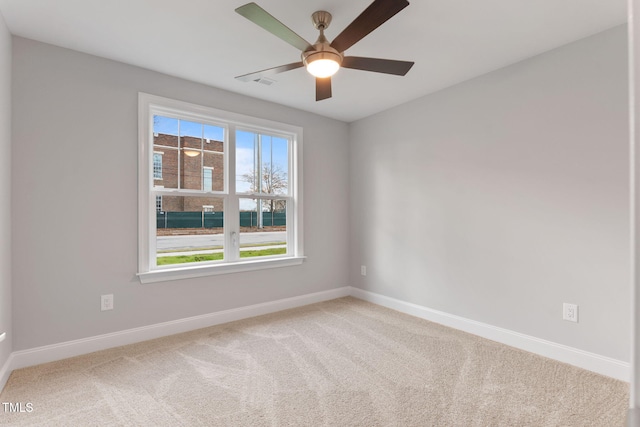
(562, 353)
(50, 353)
(5, 371)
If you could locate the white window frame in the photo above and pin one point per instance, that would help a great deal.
(148, 272)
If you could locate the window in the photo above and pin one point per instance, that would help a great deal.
(229, 199)
(157, 165)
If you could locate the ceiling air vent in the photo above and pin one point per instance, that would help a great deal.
(265, 81)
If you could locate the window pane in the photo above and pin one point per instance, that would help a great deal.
(263, 234)
(213, 159)
(262, 163)
(165, 149)
(166, 126)
(246, 143)
(213, 133)
(190, 155)
(189, 230)
(278, 174)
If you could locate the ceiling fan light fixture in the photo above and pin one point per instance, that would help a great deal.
(323, 68)
(322, 63)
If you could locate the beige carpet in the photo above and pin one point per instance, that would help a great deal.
(339, 363)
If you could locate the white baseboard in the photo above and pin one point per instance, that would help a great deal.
(50, 353)
(590, 361)
(5, 371)
(573, 356)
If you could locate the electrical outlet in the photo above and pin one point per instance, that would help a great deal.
(570, 312)
(3, 336)
(106, 302)
(363, 270)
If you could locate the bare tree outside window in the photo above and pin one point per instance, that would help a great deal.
(274, 181)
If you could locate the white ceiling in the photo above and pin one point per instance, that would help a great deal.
(206, 41)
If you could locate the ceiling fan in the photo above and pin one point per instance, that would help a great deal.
(323, 59)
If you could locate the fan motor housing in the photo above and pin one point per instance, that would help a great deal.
(324, 51)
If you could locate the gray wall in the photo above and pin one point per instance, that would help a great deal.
(5, 191)
(500, 198)
(634, 40)
(496, 200)
(75, 165)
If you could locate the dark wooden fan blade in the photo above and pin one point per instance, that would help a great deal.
(387, 66)
(323, 88)
(275, 70)
(378, 12)
(261, 17)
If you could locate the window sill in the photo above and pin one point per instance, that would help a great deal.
(213, 270)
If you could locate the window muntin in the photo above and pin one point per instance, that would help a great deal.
(201, 149)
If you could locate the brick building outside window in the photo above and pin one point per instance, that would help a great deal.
(188, 163)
